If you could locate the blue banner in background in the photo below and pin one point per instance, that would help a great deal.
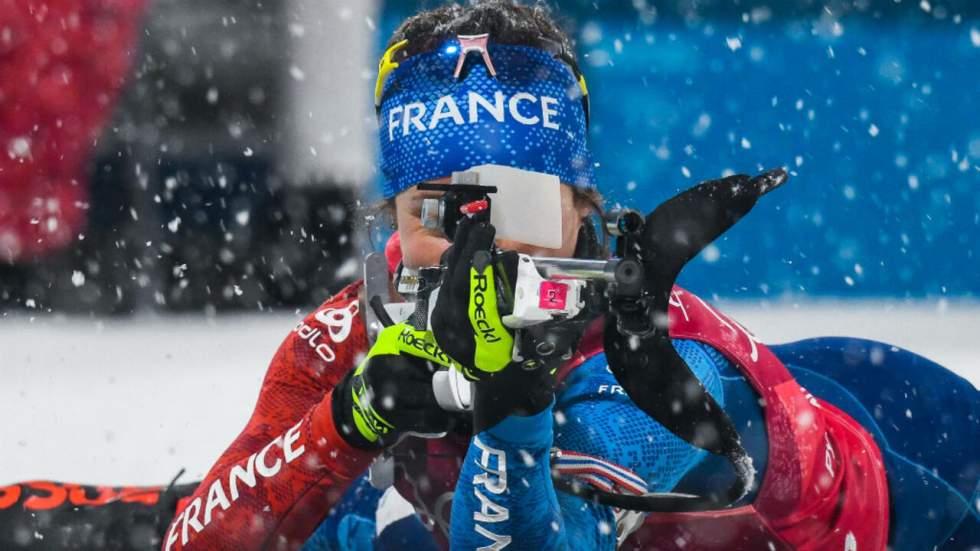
(876, 117)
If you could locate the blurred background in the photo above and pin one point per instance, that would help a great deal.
(180, 181)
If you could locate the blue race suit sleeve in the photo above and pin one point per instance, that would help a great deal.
(504, 498)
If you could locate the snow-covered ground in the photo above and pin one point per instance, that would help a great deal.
(132, 400)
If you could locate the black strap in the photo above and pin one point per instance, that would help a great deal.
(651, 372)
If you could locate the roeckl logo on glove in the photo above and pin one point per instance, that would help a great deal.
(408, 338)
(488, 332)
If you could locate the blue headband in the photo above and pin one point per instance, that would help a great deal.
(529, 116)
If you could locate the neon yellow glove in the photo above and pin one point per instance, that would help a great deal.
(390, 393)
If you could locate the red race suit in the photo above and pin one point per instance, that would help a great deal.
(286, 469)
(824, 486)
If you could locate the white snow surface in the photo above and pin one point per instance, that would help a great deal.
(132, 400)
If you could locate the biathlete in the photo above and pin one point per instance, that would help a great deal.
(689, 435)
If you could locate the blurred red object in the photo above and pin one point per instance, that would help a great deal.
(393, 252)
(62, 65)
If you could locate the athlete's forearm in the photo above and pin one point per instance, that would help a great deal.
(504, 495)
(278, 493)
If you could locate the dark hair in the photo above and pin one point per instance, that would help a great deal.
(507, 21)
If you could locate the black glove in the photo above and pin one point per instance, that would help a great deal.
(644, 361)
(386, 397)
(477, 291)
(466, 319)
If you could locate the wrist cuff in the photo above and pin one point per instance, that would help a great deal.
(342, 414)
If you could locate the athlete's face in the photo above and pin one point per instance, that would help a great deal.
(423, 247)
